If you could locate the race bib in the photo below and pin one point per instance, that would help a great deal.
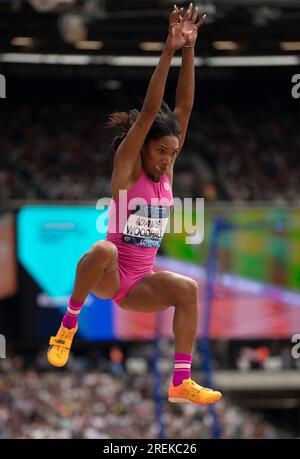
(146, 225)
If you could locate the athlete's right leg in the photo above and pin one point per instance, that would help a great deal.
(97, 271)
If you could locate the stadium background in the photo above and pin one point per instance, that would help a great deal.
(241, 154)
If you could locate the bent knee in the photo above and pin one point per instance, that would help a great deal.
(104, 252)
(190, 290)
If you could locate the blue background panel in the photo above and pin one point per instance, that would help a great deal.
(51, 240)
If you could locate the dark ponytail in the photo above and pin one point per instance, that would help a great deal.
(164, 124)
(123, 122)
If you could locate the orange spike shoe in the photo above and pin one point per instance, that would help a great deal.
(60, 345)
(190, 392)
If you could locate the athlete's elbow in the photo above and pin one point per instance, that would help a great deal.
(150, 111)
(186, 108)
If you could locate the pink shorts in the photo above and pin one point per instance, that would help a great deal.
(128, 281)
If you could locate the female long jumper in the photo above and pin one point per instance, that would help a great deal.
(120, 267)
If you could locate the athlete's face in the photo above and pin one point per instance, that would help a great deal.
(159, 155)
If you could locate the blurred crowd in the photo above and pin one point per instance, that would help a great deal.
(247, 154)
(54, 153)
(62, 152)
(108, 400)
(275, 357)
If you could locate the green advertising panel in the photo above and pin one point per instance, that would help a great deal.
(264, 243)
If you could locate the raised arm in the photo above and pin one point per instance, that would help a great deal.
(129, 150)
(186, 82)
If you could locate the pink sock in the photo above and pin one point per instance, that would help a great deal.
(71, 317)
(182, 368)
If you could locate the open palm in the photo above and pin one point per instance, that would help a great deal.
(177, 34)
(183, 27)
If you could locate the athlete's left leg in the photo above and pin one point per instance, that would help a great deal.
(157, 292)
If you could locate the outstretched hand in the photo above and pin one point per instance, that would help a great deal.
(183, 29)
(190, 26)
(176, 38)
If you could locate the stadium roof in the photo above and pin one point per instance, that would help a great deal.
(138, 27)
